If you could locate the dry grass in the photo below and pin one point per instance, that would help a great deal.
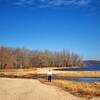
(79, 88)
(57, 73)
(86, 74)
(81, 74)
(18, 72)
(38, 72)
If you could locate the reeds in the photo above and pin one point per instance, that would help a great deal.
(80, 88)
(93, 74)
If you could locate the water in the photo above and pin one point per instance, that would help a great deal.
(88, 68)
(89, 79)
(80, 79)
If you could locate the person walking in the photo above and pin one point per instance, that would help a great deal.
(49, 76)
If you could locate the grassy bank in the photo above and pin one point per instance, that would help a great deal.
(19, 73)
(77, 88)
(43, 71)
(88, 90)
(88, 74)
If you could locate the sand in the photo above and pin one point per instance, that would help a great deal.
(28, 89)
(31, 89)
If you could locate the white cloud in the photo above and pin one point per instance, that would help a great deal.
(50, 3)
(24, 2)
(70, 2)
(83, 2)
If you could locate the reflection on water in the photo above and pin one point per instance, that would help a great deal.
(89, 79)
(88, 68)
(79, 79)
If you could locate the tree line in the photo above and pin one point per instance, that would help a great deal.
(24, 58)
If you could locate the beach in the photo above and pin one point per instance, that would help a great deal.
(18, 84)
(31, 89)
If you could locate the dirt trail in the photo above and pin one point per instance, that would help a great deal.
(28, 89)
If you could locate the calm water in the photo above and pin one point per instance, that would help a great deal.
(88, 68)
(80, 79)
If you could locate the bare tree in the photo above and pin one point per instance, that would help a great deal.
(24, 58)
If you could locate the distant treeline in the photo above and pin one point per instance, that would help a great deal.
(92, 62)
(24, 58)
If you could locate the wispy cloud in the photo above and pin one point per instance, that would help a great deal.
(83, 2)
(24, 2)
(49, 3)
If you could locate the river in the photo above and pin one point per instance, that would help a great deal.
(87, 68)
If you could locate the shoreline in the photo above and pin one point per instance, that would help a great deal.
(37, 89)
(79, 89)
(70, 86)
(36, 72)
(25, 89)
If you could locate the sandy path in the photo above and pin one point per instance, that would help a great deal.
(27, 89)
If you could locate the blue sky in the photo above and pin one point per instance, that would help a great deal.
(52, 24)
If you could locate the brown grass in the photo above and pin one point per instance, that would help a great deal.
(57, 73)
(18, 72)
(81, 74)
(79, 88)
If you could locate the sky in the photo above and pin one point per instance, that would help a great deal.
(55, 25)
